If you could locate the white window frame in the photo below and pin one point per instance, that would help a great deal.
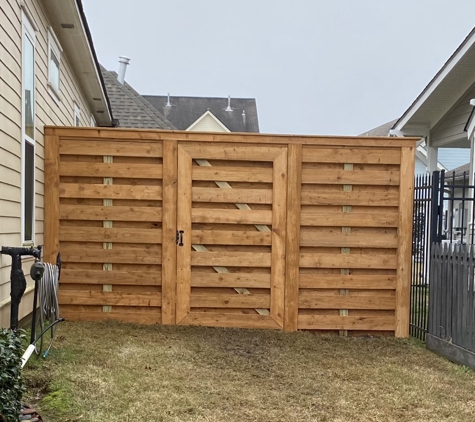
(28, 32)
(76, 115)
(54, 47)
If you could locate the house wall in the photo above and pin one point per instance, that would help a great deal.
(47, 113)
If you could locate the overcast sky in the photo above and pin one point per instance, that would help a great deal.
(314, 66)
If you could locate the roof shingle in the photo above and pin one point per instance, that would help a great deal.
(130, 108)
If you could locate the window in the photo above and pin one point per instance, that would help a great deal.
(54, 64)
(77, 115)
(28, 131)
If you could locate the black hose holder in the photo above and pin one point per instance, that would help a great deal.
(17, 277)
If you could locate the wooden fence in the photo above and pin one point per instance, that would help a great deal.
(451, 304)
(239, 230)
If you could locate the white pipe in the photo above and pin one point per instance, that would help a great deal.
(28, 352)
(124, 62)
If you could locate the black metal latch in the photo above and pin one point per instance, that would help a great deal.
(179, 237)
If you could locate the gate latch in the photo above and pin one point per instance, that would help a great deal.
(179, 237)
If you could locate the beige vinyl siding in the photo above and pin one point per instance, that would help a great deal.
(47, 112)
(451, 127)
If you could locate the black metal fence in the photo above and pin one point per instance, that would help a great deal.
(443, 213)
(451, 328)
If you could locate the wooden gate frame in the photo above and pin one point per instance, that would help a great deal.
(294, 146)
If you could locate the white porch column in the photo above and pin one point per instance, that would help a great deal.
(472, 157)
(470, 192)
(432, 155)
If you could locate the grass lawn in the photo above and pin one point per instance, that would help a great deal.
(123, 372)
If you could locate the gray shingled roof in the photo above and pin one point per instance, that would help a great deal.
(130, 108)
(184, 111)
(459, 171)
(382, 130)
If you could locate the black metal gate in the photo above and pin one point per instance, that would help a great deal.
(443, 212)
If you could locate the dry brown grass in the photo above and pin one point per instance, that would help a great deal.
(121, 372)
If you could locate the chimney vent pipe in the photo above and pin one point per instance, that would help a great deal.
(124, 62)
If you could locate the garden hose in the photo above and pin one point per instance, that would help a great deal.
(48, 303)
(32, 347)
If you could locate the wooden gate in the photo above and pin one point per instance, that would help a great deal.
(238, 230)
(231, 215)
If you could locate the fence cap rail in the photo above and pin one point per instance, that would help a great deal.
(242, 137)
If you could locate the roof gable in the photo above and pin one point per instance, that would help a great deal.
(208, 122)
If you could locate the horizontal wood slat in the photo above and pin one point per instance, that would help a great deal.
(348, 240)
(82, 297)
(230, 320)
(129, 170)
(351, 219)
(309, 260)
(256, 281)
(342, 177)
(339, 281)
(81, 190)
(115, 235)
(235, 196)
(205, 215)
(313, 300)
(355, 198)
(229, 301)
(233, 174)
(336, 322)
(114, 213)
(231, 259)
(139, 278)
(110, 148)
(152, 317)
(110, 256)
(231, 152)
(351, 155)
(226, 237)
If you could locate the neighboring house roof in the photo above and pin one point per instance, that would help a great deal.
(130, 108)
(382, 130)
(459, 171)
(184, 111)
(69, 24)
(454, 78)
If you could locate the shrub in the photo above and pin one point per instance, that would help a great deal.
(11, 382)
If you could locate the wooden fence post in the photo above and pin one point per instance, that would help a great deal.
(294, 185)
(169, 255)
(51, 212)
(406, 202)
